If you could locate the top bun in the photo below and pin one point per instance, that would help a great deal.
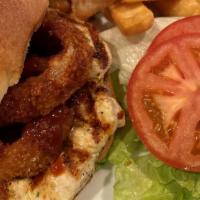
(18, 20)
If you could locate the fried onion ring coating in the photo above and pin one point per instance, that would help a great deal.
(66, 72)
(41, 143)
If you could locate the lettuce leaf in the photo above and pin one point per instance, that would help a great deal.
(141, 176)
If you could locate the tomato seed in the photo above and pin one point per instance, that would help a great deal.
(157, 118)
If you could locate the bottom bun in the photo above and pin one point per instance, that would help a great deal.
(90, 136)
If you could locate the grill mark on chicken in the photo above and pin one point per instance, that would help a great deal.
(83, 103)
(101, 53)
(120, 115)
(36, 180)
(70, 160)
(73, 158)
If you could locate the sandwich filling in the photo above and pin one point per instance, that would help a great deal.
(56, 122)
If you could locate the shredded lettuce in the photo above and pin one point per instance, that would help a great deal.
(141, 176)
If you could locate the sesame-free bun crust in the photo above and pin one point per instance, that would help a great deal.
(18, 20)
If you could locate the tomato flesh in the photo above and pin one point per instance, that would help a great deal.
(164, 101)
(184, 26)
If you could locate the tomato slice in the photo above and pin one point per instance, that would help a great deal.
(184, 26)
(164, 101)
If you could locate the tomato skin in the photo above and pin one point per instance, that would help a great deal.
(140, 82)
(183, 26)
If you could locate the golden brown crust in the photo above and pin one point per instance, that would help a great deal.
(18, 20)
(66, 72)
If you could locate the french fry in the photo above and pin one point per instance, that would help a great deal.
(132, 18)
(178, 7)
(83, 9)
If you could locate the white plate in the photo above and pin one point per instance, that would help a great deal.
(127, 51)
(100, 187)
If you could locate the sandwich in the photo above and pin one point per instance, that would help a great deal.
(58, 113)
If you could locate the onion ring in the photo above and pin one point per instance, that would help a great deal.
(66, 72)
(36, 64)
(41, 143)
